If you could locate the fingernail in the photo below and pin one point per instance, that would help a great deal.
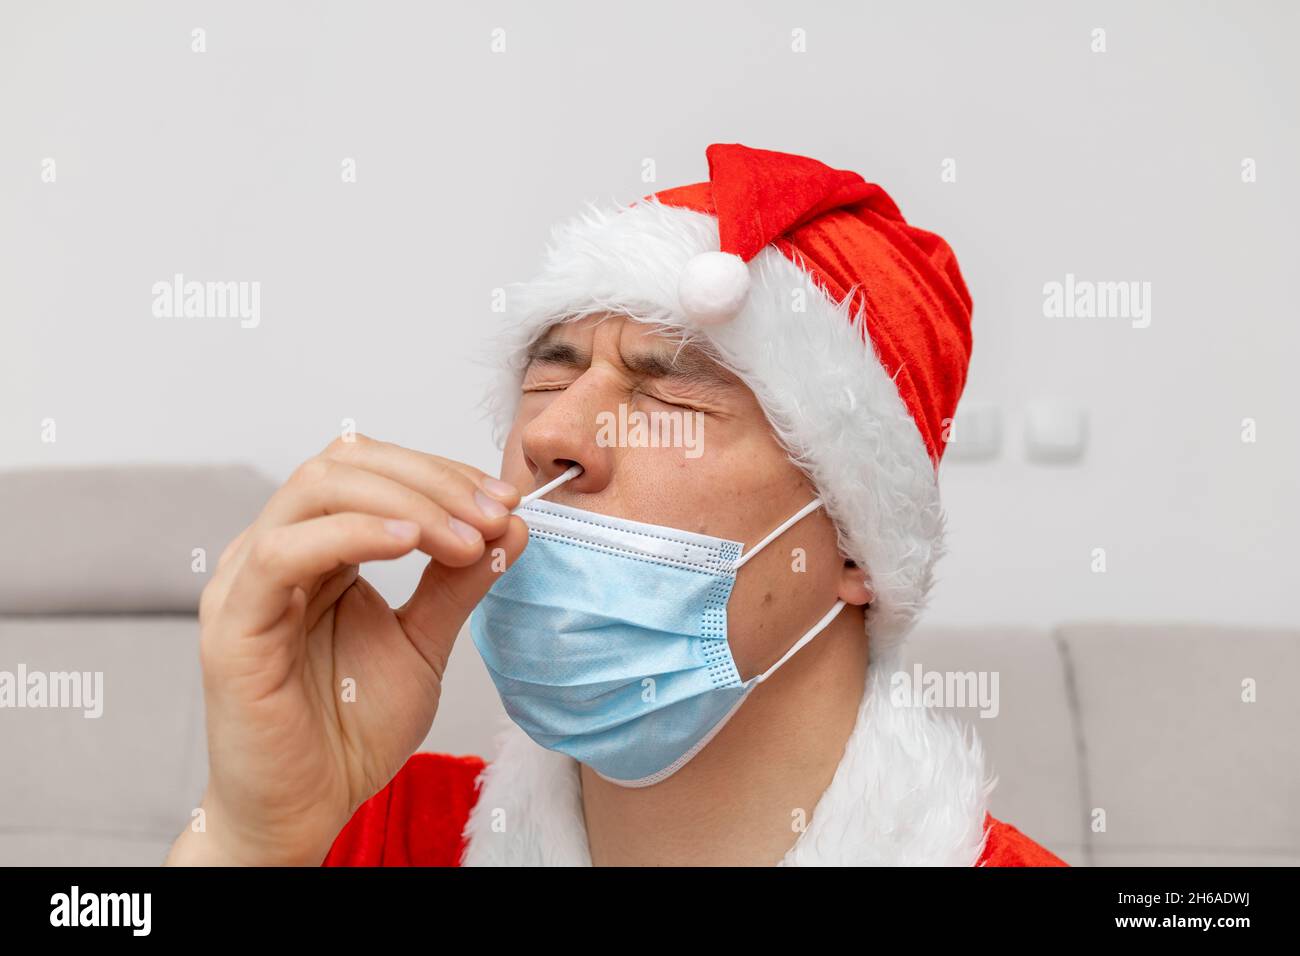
(466, 532)
(401, 529)
(490, 507)
(502, 489)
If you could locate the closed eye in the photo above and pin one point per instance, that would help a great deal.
(670, 404)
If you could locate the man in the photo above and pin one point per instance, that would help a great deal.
(820, 344)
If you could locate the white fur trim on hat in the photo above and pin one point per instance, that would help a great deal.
(829, 400)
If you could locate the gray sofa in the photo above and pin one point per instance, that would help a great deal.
(1146, 725)
(1140, 727)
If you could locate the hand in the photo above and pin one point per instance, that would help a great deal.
(317, 692)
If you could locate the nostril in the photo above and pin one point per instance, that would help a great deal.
(573, 471)
(558, 467)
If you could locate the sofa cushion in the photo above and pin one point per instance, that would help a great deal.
(1183, 767)
(78, 786)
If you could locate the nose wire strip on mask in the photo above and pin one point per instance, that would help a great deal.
(574, 470)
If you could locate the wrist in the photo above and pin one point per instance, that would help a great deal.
(212, 839)
(199, 848)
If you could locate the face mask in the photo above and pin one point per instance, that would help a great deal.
(607, 639)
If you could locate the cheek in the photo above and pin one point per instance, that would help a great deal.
(514, 466)
(780, 594)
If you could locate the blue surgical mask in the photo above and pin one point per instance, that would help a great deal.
(607, 640)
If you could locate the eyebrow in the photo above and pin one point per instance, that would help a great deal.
(687, 366)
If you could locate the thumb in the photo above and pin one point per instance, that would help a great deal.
(445, 596)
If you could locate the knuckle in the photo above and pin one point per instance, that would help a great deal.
(312, 471)
(453, 479)
(343, 448)
(229, 550)
(361, 525)
(266, 553)
(467, 471)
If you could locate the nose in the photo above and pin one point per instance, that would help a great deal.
(565, 433)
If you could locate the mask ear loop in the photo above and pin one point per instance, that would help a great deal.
(799, 515)
(817, 629)
(829, 616)
(573, 472)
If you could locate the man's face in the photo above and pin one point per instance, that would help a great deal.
(733, 481)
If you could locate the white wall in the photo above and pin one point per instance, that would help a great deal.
(225, 165)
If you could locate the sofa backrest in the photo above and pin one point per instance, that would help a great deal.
(119, 539)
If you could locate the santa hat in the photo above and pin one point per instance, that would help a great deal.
(851, 327)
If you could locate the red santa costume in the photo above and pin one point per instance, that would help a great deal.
(852, 328)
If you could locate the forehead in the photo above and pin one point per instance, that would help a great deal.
(616, 330)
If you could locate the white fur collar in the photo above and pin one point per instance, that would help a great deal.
(909, 791)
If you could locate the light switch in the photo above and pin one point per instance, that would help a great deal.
(976, 433)
(1055, 433)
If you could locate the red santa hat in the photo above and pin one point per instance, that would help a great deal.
(851, 327)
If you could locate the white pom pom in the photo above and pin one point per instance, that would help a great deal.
(712, 287)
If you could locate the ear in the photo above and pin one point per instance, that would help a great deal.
(855, 588)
